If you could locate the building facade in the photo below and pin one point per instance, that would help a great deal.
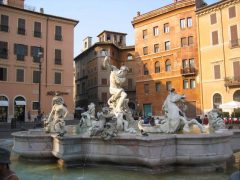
(167, 53)
(219, 52)
(92, 80)
(36, 53)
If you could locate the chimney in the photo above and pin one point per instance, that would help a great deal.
(200, 3)
(16, 3)
(87, 43)
(42, 10)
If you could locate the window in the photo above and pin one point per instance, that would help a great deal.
(183, 42)
(182, 23)
(185, 84)
(20, 75)
(4, 23)
(168, 65)
(156, 48)
(217, 73)
(58, 56)
(146, 88)
(236, 96)
(144, 34)
(104, 97)
(217, 100)
(157, 67)
(58, 33)
(155, 31)
(58, 78)
(20, 51)
(232, 12)
(166, 28)
(236, 72)
(35, 53)
(3, 50)
(234, 36)
(190, 40)
(104, 81)
(37, 29)
(129, 57)
(108, 37)
(158, 86)
(145, 69)
(36, 76)
(191, 63)
(189, 22)
(130, 84)
(213, 18)
(214, 37)
(35, 105)
(3, 74)
(145, 50)
(167, 45)
(168, 85)
(21, 26)
(192, 83)
(185, 63)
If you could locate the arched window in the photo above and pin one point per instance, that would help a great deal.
(168, 65)
(236, 96)
(157, 67)
(217, 100)
(129, 57)
(145, 69)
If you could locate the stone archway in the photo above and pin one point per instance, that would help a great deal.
(236, 96)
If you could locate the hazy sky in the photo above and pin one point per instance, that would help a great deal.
(94, 16)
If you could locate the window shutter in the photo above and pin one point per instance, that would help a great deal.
(236, 69)
(234, 35)
(213, 18)
(217, 74)
(232, 12)
(214, 37)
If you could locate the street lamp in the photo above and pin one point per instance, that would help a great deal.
(39, 81)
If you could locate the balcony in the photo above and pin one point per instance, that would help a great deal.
(234, 43)
(189, 71)
(232, 82)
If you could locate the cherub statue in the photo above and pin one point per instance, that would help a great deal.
(215, 121)
(55, 122)
(88, 116)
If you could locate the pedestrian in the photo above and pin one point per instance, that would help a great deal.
(5, 172)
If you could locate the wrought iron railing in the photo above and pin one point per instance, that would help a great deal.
(188, 71)
(232, 81)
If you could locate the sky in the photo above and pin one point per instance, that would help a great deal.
(94, 16)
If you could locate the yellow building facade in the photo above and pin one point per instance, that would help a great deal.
(219, 53)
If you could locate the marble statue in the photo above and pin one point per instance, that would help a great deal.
(175, 118)
(55, 122)
(88, 116)
(215, 121)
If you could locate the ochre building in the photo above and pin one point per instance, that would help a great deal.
(219, 47)
(31, 41)
(167, 53)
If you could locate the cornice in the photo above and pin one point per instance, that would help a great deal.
(216, 6)
(163, 10)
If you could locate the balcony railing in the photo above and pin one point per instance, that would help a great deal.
(58, 37)
(189, 71)
(234, 43)
(232, 82)
(4, 55)
(4, 28)
(37, 34)
(21, 31)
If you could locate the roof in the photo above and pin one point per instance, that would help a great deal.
(40, 14)
(163, 10)
(105, 31)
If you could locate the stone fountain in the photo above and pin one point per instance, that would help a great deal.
(113, 137)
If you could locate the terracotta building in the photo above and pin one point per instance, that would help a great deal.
(92, 80)
(167, 51)
(36, 53)
(219, 47)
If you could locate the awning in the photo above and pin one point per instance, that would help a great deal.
(20, 103)
(3, 103)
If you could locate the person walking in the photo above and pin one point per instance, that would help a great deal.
(5, 172)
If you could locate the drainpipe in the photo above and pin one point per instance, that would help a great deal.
(46, 73)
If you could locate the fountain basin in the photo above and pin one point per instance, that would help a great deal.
(33, 144)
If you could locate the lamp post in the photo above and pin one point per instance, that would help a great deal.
(39, 82)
